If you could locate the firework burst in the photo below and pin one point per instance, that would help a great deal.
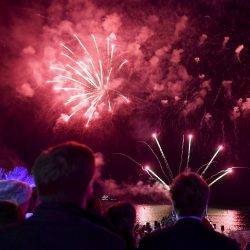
(169, 176)
(86, 78)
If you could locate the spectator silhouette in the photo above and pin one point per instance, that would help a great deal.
(17, 192)
(9, 214)
(157, 225)
(63, 176)
(148, 228)
(189, 194)
(94, 213)
(122, 218)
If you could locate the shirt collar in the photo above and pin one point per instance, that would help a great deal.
(188, 217)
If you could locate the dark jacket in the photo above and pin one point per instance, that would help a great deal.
(59, 226)
(187, 234)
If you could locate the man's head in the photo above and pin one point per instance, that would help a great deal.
(17, 192)
(122, 216)
(63, 173)
(189, 193)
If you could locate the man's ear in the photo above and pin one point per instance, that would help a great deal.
(89, 190)
(88, 194)
(205, 212)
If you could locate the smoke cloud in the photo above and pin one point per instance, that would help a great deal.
(139, 192)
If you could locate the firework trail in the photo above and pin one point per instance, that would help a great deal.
(217, 95)
(157, 158)
(86, 79)
(182, 150)
(163, 155)
(150, 171)
(219, 175)
(190, 137)
(216, 174)
(240, 168)
(223, 130)
(147, 169)
(212, 159)
(228, 171)
(131, 159)
(200, 168)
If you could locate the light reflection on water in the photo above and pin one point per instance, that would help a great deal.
(151, 213)
(231, 219)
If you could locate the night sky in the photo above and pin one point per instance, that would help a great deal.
(188, 71)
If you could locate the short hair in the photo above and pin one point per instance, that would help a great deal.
(189, 193)
(15, 191)
(64, 172)
(122, 214)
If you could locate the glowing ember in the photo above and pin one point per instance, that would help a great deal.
(154, 135)
(238, 51)
(190, 137)
(86, 79)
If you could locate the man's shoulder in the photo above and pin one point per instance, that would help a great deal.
(8, 236)
(87, 231)
(104, 235)
(224, 240)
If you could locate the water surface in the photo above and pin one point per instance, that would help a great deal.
(231, 219)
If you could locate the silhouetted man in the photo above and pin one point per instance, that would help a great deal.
(63, 176)
(17, 192)
(189, 194)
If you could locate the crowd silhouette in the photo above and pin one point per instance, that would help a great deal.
(62, 213)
